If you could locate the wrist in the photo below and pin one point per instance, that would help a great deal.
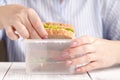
(117, 46)
(1, 15)
(1, 26)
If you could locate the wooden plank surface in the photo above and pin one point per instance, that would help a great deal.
(112, 73)
(4, 67)
(17, 72)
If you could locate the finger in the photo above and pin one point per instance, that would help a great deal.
(82, 41)
(34, 35)
(21, 29)
(10, 33)
(32, 31)
(36, 23)
(78, 51)
(89, 67)
(82, 60)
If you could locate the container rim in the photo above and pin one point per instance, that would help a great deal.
(46, 40)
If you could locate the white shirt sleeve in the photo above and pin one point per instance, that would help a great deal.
(111, 19)
(1, 34)
(2, 2)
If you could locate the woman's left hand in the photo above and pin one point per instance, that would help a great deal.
(98, 53)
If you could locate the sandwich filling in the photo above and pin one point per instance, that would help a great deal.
(57, 27)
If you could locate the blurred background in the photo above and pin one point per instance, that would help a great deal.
(3, 54)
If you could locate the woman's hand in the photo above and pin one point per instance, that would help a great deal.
(23, 20)
(98, 53)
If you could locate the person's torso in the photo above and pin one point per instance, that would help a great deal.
(84, 15)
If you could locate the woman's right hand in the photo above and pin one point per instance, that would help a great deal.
(25, 21)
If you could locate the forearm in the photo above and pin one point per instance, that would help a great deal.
(117, 46)
(1, 26)
(1, 15)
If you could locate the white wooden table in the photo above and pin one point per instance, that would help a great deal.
(112, 73)
(16, 71)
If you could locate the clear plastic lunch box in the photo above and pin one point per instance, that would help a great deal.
(42, 56)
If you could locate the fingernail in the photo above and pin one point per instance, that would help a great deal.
(77, 70)
(45, 37)
(69, 62)
(64, 54)
(73, 44)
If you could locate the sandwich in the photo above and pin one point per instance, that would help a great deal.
(59, 30)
